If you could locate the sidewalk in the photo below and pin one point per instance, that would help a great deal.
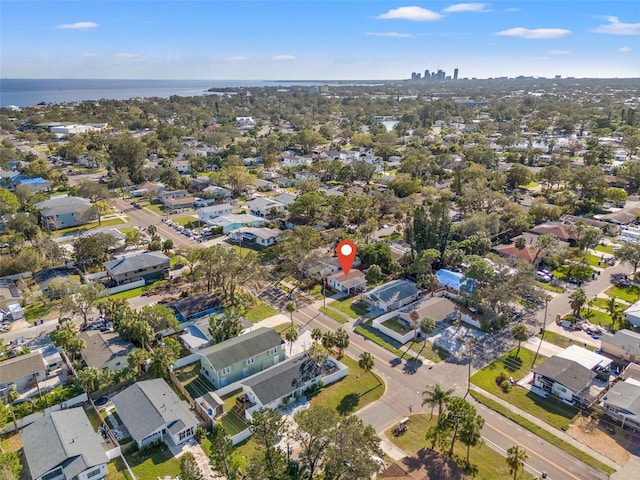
(390, 449)
(546, 349)
(554, 431)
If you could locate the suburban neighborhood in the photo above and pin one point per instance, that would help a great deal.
(172, 304)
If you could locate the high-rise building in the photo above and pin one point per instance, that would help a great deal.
(455, 74)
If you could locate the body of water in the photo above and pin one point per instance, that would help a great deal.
(25, 92)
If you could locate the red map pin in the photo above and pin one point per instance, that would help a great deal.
(346, 251)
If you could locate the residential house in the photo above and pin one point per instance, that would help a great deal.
(216, 192)
(22, 371)
(295, 161)
(441, 309)
(265, 207)
(528, 254)
(269, 388)
(622, 403)
(306, 175)
(152, 411)
(37, 184)
(196, 336)
(148, 266)
(562, 378)
(392, 295)
(9, 293)
(195, 306)
(47, 277)
(562, 232)
(62, 445)
(241, 356)
(206, 214)
(105, 350)
(454, 280)
(235, 221)
(623, 345)
(633, 314)
(263, 237)
(320, 267)
(182, 166)
(285, 198)
(264, 185)
(64, 211)
(165, 194)
(351, 285)
(178, 203)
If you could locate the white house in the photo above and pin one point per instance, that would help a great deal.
(265, 207)
(165, 194)
(563, 378)
(206, 214)
(62, 445)
(350, 285)
(152, 411)
(392, 295)
(264, 237)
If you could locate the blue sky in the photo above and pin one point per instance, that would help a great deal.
(328, 39)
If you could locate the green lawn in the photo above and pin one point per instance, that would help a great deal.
(233, 423)
(577, 271)
(189, 221)
(40, 310)
(350, 307)
(430, 351)
(597, 317)
(155, 208)
(567, 447)
(127, 230)
(562, 341)
(260, 312)
(90, 226)
(94, 418)
(333, 314)
(594, 260)
(356, 390)
(549, 287)
(491, 465)
(378, 338)
(117, 470)
(264, 253)
(395, 325)
(605, 249)
(628, 294)
(604, 304)
(230, 399)
(195, 383)
(553, 412)
(158, 463)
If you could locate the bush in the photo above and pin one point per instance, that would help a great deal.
(200, 434)
(500, 379)
(506, 386)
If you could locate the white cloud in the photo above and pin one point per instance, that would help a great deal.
(283, 57)
(78, 26)
(624, 49)
(126, 55)
(534, 34)
(467, 7)
(616, 27)
(236, 58)
(560, 52)
(390, 34)
(415, 14)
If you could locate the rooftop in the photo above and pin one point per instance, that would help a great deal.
(21, 366)
(134, 263)
(237, 349)
(189, 306)
(566, 372)
(393, 291)
(625, 339)
(355, 278)
(102, 347)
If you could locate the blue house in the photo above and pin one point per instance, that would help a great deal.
(37, 184)
(195, 306)
(64, 211)
(454, 280)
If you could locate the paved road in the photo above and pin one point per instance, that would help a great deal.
(404, 387)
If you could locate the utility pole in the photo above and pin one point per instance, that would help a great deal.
(542, 330)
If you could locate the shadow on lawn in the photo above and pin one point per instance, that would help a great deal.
(348, 403)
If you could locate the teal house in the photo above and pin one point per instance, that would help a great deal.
(240, 357)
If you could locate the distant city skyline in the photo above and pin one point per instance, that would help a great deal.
(317, 40)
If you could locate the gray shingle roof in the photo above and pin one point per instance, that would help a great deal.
(146, 406)
(63, 438)
(566, 372)
(136, 262)
(21, 366)
(101, 347)
(625, 339)
(283, 379)
(62, 205)
(625, 396)
(394, 291)
(234, 350)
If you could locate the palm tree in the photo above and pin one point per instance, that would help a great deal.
(291, 335)
(366, 362)
(341, 340)
(437, 396)
(137, 358)
(427, 326)
(12, 394)
(414, 316)
(290, 307)
(519, 333)
(516, 457)
(578, 299)
(316, 334)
